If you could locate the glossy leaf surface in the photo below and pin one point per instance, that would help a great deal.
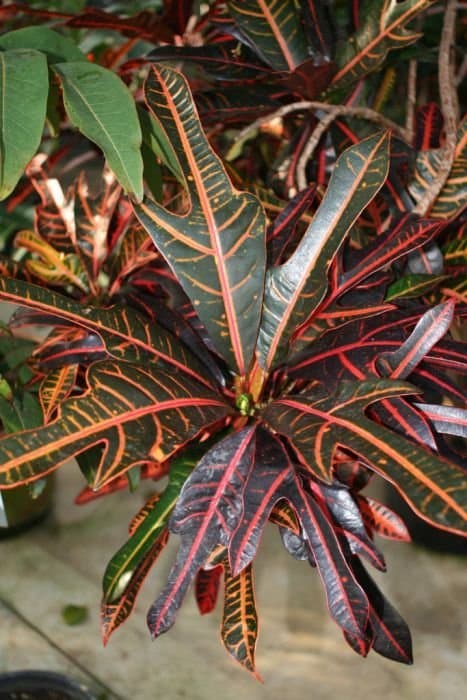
(217, 250)
(294, 290)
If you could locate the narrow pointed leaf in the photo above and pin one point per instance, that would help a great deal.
(382, 520)
(102, 108)
(413, 286)
(217, 250)
(207, 584)
(113, 614)
(346, 600)
(429, 330)
(274, 29)
(391, 635)
(207, 512)
(153, 520)
(294, 290)
(56, 386)
(383, 28)
(125, 334)
(239, 629)
(433, 487)
(135, 413)
(24, 86)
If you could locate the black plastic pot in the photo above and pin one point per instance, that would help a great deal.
(21, 510)
(41, 685)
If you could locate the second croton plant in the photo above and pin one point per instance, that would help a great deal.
(261, 368)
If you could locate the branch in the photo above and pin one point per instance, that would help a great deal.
(449, 108)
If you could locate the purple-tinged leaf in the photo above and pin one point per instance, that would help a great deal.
(449, 420)
(294, 290)
(207, 512)
(296, 545)
(346, 600)
(429, 330)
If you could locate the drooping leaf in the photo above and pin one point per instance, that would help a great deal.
(218, 250)
(346, 600)
(261, 491)
(24, 85)
(207, 585)
(273, 29)
(102, 108)
(55, 46)
(135, 413)
(390, 633)
(315, 425)
(383, 28)
(239, 629)
(115, 613)
(152, 522)
(382, 520)
(56, 386)
(294, 290)
(207, 512)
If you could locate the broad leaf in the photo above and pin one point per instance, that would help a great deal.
(55, 46)
(316, 425)
(102, 108)
(207, 512)
(383, 28)
(217, 250)
(294, 290)
(135, 413)
(239, 629)
(24, 85)
(273, 29)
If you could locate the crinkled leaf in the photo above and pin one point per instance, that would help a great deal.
(217, 250)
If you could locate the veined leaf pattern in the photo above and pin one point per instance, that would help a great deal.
(295, 289)
(275, 29)
(434, 488)
(239, 629)
(217, 250)
(137, 414)
(383, 28)
(56, 386)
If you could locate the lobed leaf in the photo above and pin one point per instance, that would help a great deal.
(217, 250)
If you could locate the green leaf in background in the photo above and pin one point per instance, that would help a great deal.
(24, 86)
(56, 47)
(216, 248)
(102, 108)
(74, 614)
(413, 286)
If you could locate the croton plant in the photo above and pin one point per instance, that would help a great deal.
(256, 303)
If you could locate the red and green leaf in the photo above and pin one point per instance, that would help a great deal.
(295, 289)
(207, 512)
(452, 200)
(382, 520)
(56, 386)
(315, 426)
(239, 629)
(383, 28)
(274, 29)
(217, 250)
(135, 414)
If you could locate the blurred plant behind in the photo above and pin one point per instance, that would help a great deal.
(240, 228)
